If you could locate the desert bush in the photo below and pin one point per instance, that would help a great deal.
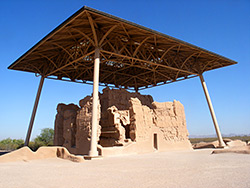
(45, 138)
(11, 144)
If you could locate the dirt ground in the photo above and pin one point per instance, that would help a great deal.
(160, 169)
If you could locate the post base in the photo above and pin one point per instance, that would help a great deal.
(222, 145)
(88, 157)
(93, 153)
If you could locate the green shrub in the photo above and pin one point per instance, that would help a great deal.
(45, 138)
(11, 144)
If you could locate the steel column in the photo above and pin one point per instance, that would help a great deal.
(34, 111)
(93, 143)
(216, 126)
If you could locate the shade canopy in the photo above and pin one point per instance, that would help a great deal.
(132, 56)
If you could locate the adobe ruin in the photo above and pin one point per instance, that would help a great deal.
(128, 123)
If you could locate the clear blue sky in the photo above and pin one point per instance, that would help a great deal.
(221, 26)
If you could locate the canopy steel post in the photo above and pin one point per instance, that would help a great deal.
(93, 143)
(216, 126)
(34, 111)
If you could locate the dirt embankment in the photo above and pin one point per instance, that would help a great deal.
(25, 154)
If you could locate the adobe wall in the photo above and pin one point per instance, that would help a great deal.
(65, 125)
(129, 122)
(164, 125)
(169, 117)
(83, 123)
(115, 109)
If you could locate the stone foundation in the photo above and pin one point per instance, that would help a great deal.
(129, 122)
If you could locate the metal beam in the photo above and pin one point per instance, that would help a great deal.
(34, 111)
(141, 43)
(216, 126)
(91, 22)
(70, 63)
(106, 34)
(149, 62)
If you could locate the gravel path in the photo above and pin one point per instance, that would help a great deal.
(167, 169)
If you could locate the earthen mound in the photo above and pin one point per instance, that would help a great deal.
(25, 154)
(215, 144)
(236, 149)
(236, 143)
(202, 145)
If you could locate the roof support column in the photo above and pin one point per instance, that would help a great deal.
(216, 126)
(34, 111)
(93, 143)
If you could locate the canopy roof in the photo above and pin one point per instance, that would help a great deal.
(132, 56)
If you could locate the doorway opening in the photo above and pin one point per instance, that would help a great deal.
(155, 141)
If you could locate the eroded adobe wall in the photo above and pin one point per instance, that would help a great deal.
(114, 133)
(83, 124)
(141, 118)
(115, 116)
(65, 125)
(124, 118)
(169, 117)
(166, 119)
(120, 99)
(73, 126)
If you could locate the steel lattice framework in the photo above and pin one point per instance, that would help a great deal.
(131, 56)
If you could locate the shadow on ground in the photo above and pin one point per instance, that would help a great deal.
(3, 152)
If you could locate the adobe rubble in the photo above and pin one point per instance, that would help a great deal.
(128, 123)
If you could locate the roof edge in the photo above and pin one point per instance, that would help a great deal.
(51, 33)
(157, 32)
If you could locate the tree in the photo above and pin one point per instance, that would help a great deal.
(46, 137)
(11, 144)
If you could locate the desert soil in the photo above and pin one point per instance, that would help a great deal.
(160, 169)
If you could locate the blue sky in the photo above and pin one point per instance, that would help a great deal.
(221, 26)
